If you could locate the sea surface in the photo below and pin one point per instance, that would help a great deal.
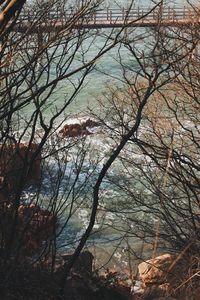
(108, 236)
(107, 71)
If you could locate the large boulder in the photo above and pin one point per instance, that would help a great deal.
(155, 270)
(74, 130)
(14, 158)
(158, 277)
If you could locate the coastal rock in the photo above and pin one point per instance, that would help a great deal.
(155, 270)
(84, 262)
(77, 130)
(41, 226)
(156, 278)
(40, 220)
(13, 158)
(74, 130)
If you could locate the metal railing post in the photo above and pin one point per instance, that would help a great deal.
(95, 17)
(123, 14)
(107, 14)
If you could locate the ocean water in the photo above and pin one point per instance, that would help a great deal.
(107, 70)
(108, 231)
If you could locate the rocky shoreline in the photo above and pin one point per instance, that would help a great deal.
(158, 278)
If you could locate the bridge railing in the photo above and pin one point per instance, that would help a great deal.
(117, 15)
